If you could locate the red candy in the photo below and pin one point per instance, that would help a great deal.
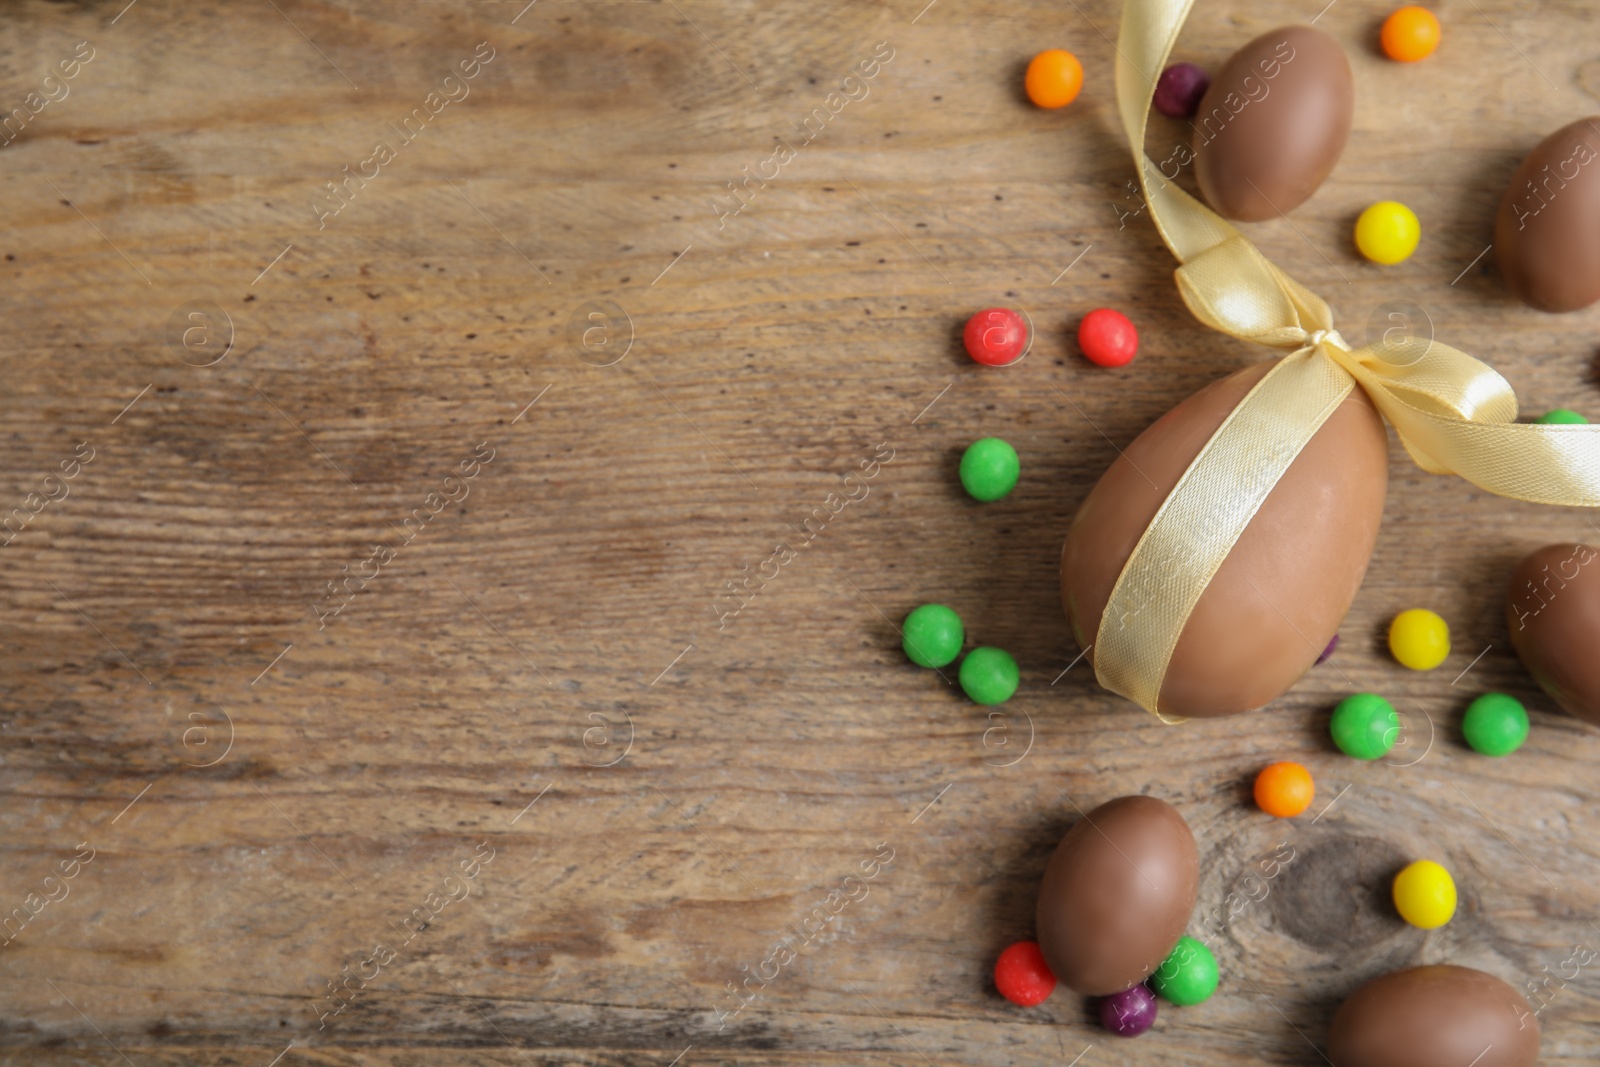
(1108, 338)
(996, 337)
(1022, 976)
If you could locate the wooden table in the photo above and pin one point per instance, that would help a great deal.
(538, 360)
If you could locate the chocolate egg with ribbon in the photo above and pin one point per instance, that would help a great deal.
(1280, 592)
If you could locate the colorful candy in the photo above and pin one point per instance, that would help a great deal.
(1365, 726)
(1333, 643)
(1022, 976)
(932, 636)
(1188, 976)
(1054, 78)
(989, 675)
(989, 469)
(1419, 639)
(1562, 417)
(1283, 789)
(1108, 338)
(1387, 232)
(1425, 895)
(1129, 1013)
(1495, 724)
(1180, 89)
(1410, 34)
(996, 336)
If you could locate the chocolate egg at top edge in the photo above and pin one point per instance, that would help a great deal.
(1547, 230)
(1117, 895)
(1278, 598)
(1553, 613)
(1435, 1016)
(1273, 123)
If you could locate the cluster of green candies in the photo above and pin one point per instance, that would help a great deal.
(933, 636)
(1366, 726)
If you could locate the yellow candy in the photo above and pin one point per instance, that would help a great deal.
(1388, 232)
(1419, 639)
(1425, 895)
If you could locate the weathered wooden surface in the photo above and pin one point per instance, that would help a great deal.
(568, 604)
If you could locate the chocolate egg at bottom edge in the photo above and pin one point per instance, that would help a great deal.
(1117, 895)
(1273, 123)
(1553, 613)
(1279, 597)
(1437, 1016)
(1547, 231)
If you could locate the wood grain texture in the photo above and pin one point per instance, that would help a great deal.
(698, 785)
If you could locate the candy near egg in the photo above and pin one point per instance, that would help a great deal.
(1130, 1012)
(1425, 895)
(1284, 789)
(1273, 123)
(1117, 894)
(1553, 613)
(1281, 593)
(1419, 639)
(1495, 724)
(932, 636)
(996, 337)
(1054, 78)
(1434, 1016)
(1180, 89)
(1561, 417)
(1547, 229)
(1410, 34)
(1108, 338)
(1387, 232)
(1022, 976)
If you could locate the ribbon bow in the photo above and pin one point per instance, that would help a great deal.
(1454, 414)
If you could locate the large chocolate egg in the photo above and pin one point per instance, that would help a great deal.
(1547, 231)
(1273, 123)
(1553, 613)
(1117, 895)
(1278, 599)
(1439, 1016)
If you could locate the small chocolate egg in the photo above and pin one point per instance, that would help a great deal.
(1547, 231)
(1273, 123)
(1117, 895)
(1553, 613)
(1278, 599)
(1438, 1016)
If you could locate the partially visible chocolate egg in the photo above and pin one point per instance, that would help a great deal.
(1117, 895)
(1438, 1016)
(1279, 597)
(1273, 123)
(1547, 231)
(1553, 613)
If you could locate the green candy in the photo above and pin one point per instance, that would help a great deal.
(1188, 975)
(1562, 417)
(989, 469)
(989, 675)
(1495, 724)
(1365, 726)
(932, 636)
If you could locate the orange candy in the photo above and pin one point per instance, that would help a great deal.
(1054, 78)
(1410, 34)
(1284, 790)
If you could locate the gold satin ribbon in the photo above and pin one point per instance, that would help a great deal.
(1454, 414)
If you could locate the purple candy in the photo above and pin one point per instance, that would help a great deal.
(1179, 90)
(1327, 651)
(1129, 1013)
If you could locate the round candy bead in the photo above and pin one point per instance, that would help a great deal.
(1388, 232)
(1410, 34)
(1129, 1013)
(1562, 417)
(1419, 639)
(1425, 895)
(1108, 338)
(1188, 975)
(989, 675)
(1495, 724)
(932, 636)
(1180, 89)
(989, 469)
(1283, 789)
(1365, 726)
(1022, 976)
(1054, 78)
(1327, 651)
(996, 336)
